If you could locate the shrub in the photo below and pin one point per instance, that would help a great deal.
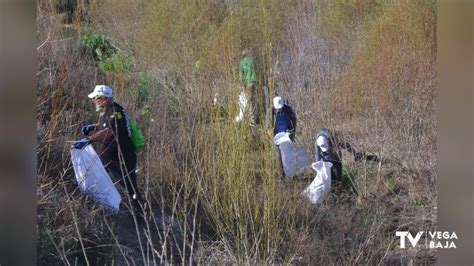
(96, 44)
(118, 63)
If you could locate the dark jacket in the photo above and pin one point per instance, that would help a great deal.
(284, 120)
(331, 155)
(120, 143)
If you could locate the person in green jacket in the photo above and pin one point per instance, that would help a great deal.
(248, 79)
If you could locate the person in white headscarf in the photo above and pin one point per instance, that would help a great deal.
(324, 151)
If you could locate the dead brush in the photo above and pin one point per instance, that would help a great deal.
(211, 191)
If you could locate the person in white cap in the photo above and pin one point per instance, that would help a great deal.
(284, 118)
(113, 135)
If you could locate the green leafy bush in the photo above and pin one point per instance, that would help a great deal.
(97, 45)
(118, 63)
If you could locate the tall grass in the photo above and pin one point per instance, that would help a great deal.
(363, 68)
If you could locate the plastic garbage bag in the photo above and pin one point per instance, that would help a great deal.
(294, 159)
(93, 179)
(321, 185)
(242, 106)
(281, 137)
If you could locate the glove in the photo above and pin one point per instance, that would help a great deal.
(87, 129)
(80, 144)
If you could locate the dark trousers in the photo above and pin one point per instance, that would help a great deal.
(336, 171)
(127, 177)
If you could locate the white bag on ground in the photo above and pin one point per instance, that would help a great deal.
(294, 159)
(242, 106)
(93, 179)
(319, 188)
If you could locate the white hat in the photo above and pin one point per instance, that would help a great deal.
(323, 143)
(101, 90)
(278, 102)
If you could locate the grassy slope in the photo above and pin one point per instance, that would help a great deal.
(365, 68)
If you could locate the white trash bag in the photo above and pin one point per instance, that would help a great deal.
(242, 106)
(92, 178)
(321, 185)
(294, 159)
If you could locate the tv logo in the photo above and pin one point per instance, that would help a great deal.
(413, 240)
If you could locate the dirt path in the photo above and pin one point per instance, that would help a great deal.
(142, 242)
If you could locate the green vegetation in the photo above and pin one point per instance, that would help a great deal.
(96, 44)
(366, 69)
(117, 63)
